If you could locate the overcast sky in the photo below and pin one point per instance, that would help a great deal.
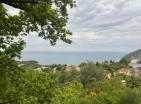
(98, 25)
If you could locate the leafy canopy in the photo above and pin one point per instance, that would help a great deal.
(46, 18)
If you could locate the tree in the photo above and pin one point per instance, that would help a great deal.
(37, 87)
(133, 82)
(112, 66)
(68, 76)
(90, 72)
(47, 18)
(70, 93)
(130, 97)
(43, 18)
(124, 61)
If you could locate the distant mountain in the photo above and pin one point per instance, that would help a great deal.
(29, 62)
(32, 64)
(133, 55)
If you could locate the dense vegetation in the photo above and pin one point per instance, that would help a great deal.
(48, 20)
(90, 85)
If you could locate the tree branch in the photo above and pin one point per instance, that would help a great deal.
(18, 3)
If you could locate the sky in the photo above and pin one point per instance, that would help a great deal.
(97, 25)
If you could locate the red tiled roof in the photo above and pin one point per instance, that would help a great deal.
(124, 70)
(69, 68)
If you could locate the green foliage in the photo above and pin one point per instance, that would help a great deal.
(112, 66)
(38, 87)
(57, 67)
(8, 69)
(32, 87)
(43, 18)
(90, 72)
(69, 93)
(130, 97)
(29, 86)
(47, 19)
(68, 76)
(133, 82)
(124, 61)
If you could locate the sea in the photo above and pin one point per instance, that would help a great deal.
(70, 58)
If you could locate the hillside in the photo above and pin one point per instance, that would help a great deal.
(33, 64)
(133, 55)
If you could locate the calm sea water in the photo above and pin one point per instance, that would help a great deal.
(71, 58)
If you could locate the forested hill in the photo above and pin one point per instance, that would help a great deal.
(133, 55)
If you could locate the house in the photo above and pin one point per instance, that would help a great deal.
(123, 82)
(110, 75)
(21, 65)
(69, 68)
(77, 68)
(133, 62)
(137, 68)
(38, 69)
(125, 71)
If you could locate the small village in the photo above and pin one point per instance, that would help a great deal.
(133, 69)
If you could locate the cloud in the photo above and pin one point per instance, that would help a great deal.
(98, 25)
(11, 10)
(109, 24)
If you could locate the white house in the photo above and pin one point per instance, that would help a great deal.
(134, 62)
(137, 68)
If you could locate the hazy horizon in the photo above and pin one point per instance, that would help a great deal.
(71, 58)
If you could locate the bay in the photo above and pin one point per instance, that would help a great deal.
(71, 58)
